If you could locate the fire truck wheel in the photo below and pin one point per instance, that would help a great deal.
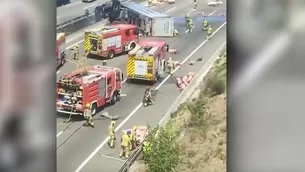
(132, 46)
(111, 54)
(93, 109)
(114, 98)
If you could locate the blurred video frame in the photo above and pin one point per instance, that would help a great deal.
(27, 136)
(266, 85)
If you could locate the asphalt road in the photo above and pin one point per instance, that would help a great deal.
(76, 143)
(74, 9)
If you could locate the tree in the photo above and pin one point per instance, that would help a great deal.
(164, 154)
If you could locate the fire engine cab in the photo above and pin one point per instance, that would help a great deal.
(111, 40)
(96, 85)
(146, 61)
(60, 49)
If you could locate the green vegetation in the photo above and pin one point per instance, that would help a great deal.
(164, 154)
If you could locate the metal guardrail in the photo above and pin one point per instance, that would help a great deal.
(134, 155)
(74, 20)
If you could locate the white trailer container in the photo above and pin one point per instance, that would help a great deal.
(160, 24)
(163, 26)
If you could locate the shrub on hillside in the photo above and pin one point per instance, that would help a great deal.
(164, 155)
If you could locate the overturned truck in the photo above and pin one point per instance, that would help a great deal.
(148, 20)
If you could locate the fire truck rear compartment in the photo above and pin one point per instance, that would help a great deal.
(93, 42)
(70, 98)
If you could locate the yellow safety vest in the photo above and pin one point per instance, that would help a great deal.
(111, 130)
(87, 113)
(125, 140)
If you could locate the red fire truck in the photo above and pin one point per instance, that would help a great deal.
(146, 61)
(60, 49)
(96, 85)
(109, 41)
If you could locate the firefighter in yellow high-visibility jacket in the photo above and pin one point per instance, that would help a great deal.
(210, 32)
(111, 132)
(125, 142)
(133, 139)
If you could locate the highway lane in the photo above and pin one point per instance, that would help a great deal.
(116, 62)
(75, 9)
(75, 149)
(107, 159)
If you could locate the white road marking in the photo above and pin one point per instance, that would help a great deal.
(191, 11)
(71, 46)
(123, 95)
(58, 72)
(139, 106)
(58, 134)
(194, 24)
(170, 9)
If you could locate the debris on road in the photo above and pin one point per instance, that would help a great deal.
(215, 3)
(182, 82)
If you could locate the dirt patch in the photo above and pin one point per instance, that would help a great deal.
(206, 150)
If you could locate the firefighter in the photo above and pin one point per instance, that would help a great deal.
(190, 25)
(195, 5)
(133, 140)
(170, 65)
(187, 18)
(176, 33)
(76, 52)
(104, 63)
(147, 99)
(130, 135)
(88, 116)
(210, 32)
(87, 13)
(111, 134)
(125, 142)
(205, 25)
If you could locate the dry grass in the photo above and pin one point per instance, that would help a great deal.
(206, 150)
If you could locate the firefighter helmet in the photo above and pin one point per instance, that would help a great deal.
(88, 105)
(112, 122)
(128, 132)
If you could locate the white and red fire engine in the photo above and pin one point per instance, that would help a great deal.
(95, 85)
(146, 61)
(60, 49)
(109, 41)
